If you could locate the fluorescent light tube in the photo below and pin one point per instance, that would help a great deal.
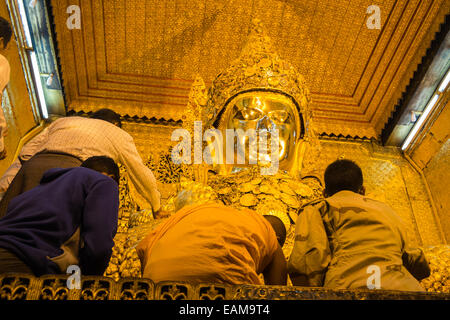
(419, 122)
(445, 82)
(37, 79)
(24, 19)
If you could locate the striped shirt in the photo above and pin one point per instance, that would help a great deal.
(85, 138)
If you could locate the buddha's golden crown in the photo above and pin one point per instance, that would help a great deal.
(259, 68)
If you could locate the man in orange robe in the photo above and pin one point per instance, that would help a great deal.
(212, 243)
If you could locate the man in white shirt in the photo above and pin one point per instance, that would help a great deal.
(5, 70)
(70, 140)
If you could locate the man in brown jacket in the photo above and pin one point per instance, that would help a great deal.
(349, 241)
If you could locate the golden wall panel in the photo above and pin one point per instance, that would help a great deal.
(140, 56)
(432, 155)
(437, 174)
(427, 225)
(150, 139)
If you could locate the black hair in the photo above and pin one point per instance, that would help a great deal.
(343, 175)
(5, 31)
(103, 164)
(108, 115)
(278, 227)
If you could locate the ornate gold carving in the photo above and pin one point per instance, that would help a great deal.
(136, 290)
(14, 288)
(22, 286)
(54, 289)
(167, 171)
(198, 98)
(127, 204)
(172, 291)
(95, 288)
(258, 68)
(212, 292)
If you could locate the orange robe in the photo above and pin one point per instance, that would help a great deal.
(209, 243)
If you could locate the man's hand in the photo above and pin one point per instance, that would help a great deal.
(160, 214)
(201, 173)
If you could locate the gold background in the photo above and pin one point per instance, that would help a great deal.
(140, 56)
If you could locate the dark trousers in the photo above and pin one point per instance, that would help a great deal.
(10, 263)
(31, 172)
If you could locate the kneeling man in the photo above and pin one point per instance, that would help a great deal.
(347, 240)
(212, 243)
(69, 219)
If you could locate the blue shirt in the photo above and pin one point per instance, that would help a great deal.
(40, 221)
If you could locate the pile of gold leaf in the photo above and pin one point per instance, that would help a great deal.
(190, 192)
(280, 195)
(127, 259)
(124, 260)
(439, 260)
(140, 217)
(265, 194)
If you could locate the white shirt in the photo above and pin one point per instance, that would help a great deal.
(85, 138)
(5, 71)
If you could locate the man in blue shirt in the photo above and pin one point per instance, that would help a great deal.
(69, 219)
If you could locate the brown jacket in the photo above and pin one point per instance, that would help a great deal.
(340, 239)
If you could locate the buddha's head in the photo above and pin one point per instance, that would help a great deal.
(260, 91)
(264, 111)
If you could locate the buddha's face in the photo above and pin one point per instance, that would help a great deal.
(264, 112)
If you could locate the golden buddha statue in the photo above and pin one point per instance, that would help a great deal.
(259, 92)
(262, 92)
